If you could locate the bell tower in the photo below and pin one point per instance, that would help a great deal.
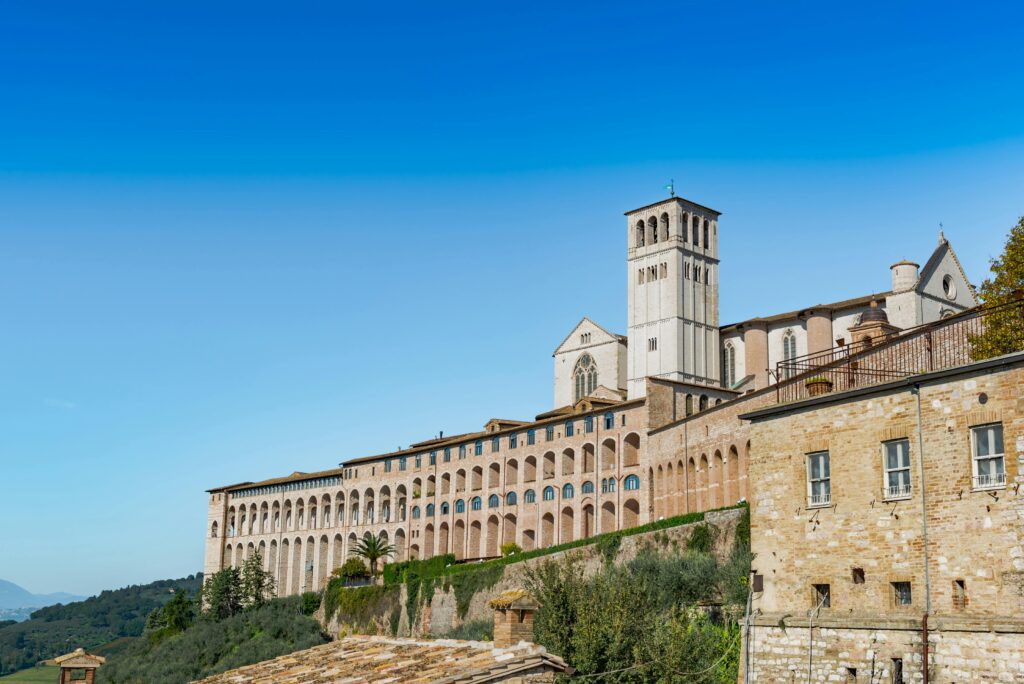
(673, 294)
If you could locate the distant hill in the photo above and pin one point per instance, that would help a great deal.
(12, 596)
(56, 629)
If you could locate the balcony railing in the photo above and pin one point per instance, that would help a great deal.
(994, 480)
(896, 492)
(960, 339)
(820, 499)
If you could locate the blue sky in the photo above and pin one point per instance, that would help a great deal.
(242, 240)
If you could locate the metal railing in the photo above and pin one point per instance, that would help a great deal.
(969, 336)
(819, 499)
(896, 492)
(994, 480)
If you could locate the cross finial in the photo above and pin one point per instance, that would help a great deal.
(942, 237)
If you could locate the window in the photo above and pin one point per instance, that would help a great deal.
(652, 344)
(729, 365)
(819, 485)
(822, 595)
(444, 508)
(584, 376)
(430, 510)
(460, 506)
(478, 447)
(788, 350)
(689, 404)
(611, 484)
(494, 445)
(959, 594)
(585, 338)
(604, 486)
(696, 234)
(529, 496)
(609, 420)
(948, 288)
(897, 468)
(653, 223)
(631, 484)
(513, 441)
(549, 493)
(415, 513)
(549, 433)
(510, 499)
(707, 226)
(588, 424)
(402, 463)
(387, 466)
(476, 503)
(419, 461)
(568, 428)
(587, 488)
(988, 461)
(897, 671)
(531, 436)
(901, 594)
(640, 238)
(447, 454)
(433, 458)
(568, 492)
(858, 575)
(493, 501)
(663, 270)
(462, 451)
(640, 277)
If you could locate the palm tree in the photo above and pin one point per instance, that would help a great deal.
(373, 549)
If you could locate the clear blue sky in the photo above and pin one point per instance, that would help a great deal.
(238, 241)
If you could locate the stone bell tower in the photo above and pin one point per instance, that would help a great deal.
(673, 294)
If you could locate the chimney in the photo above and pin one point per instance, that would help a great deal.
(513, 618)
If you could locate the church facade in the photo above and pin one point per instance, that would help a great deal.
(644, 425)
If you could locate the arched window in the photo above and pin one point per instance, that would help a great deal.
(664, 226)
(587, 488)
(460, 506)
(707, 228)
(585, 376)
(430, 510)
(609, 420)
(689, 404)
(611, 485)
(729, 365)
(696, 231)
(788, 350)
(510, 499)
(415, 512)
(493, 501)
(703, 402)
(529, 496)
(549, 493)
(476, 503)
(652, 223)
(213, 530)
(632, 483)
(568, 492)
(640, 239)
(444, 508)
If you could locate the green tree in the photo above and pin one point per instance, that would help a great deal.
(1004, 326)
(373, 548)
(353, 568)
(222, 594)
(257, 584)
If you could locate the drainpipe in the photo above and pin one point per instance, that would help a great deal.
(916, 391)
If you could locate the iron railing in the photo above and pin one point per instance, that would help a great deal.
(954, 341)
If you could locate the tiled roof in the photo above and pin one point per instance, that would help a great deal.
(359, 659)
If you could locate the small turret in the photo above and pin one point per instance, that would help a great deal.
(904, 275)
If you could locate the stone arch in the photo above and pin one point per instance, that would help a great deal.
(385, 504)
(529, 542)
(608, 461)
(446, 484)
(511, 472)
(339, 509)
(717, 480)
(547, 530)
(300, 515)
(414, 552)
(460, 480)
(264, 518)
(401, 498)
(323, 569)
(312, 511)
(275, 517)
(477, 478)
(631, 450)
(493, 523)
(400, 545)
(494, 475)
(588, 458)
(608, 517)
(459, 539)
(567, 524)
(702, 483)
(353, 504)
(273, 564)
(630, 513)
(549, 465)
(475, 534)
(442, 538)
(428, 541)
(732, 478)
(338, 551)
(587, 521)
(508, 533)
(530, 469)
(283, 565)
(296, 569)
(309, 566)
(568, 462)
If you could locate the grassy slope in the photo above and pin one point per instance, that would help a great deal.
(33, 675)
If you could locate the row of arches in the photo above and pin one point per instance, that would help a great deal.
(655, 229)
(698, 483)
(371, 506)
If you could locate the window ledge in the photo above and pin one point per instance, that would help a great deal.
(824, 504)
(899, 497)
(988, 488)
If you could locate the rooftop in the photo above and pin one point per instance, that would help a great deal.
(396, 661)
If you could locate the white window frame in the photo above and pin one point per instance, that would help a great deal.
(890, 490)
(816, 498)
(995, 480)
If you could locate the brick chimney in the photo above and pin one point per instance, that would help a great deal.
(513, 618)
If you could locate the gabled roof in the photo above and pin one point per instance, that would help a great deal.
(936, 258)
(397, 661)
(78, 658)
(833, 307)
(613, 336)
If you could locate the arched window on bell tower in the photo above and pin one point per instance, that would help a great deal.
(584, 376)
(696, 232)
(729, 362)
(640, 238)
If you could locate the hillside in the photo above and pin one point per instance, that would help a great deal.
(90, 623)
(13, 596)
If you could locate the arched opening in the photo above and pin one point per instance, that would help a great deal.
(549, 465)
(716, 480)
(385, 504)
(494, 475)
(214, 529)
(414, 552)
(511, 473)
(474, 540)
(530, 469)
(567, 526)
(492, 535)
(641, 238)
(323, 570)
(338, 552)
(608, 517)
(529, 540)
(401, 496)
(630, 513)
(460, 480)
(631, 450)
(459, 541)
(588, 521)
(608, 454)
(477, 479)
(588, 458)
(297, 573)
(273, 564)
(703, 402)
(400, 544)
(442, 539)
(695, 225)
(652, 229)
(707, 240)
(568, 462)
(309, 566)
(664, 227)
(702, 483)
(547, 530)
(283, 563)
(428, 541)
(446, 484)
(509, 533)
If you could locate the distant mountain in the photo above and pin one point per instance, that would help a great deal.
(13, 596)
